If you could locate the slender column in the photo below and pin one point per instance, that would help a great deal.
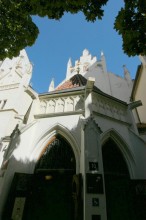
(93, 178)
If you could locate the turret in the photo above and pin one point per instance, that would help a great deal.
(103, 61)
(69, 66)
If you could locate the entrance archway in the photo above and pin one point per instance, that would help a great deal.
(51, 196)
(117, 185)
(58, 154)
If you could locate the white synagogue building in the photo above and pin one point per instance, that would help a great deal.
(77, 151)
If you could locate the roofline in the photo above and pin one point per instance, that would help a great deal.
(80, 89)
(109, 96)
(56, 92)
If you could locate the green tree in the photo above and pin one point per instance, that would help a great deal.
(131, 24)
(17, 29)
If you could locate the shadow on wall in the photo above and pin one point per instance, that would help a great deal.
(20, 181)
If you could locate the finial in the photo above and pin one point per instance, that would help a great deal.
(85, 52)
(51, 87)
(78, 67)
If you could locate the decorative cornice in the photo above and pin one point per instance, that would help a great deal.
(38, 116)
(11, 86)
(111, 108)
(61, 104)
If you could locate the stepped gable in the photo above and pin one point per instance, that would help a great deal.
(75, 81)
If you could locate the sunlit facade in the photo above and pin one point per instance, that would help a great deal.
(67, 153)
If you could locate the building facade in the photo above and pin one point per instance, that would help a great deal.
(69, 152)
(138, 93)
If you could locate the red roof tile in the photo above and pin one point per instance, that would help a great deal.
(75, 81)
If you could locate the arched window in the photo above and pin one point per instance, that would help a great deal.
(113, 160)
(57, 155)
(117, 183)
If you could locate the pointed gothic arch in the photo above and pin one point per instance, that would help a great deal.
(53, 172)
(47, 137)
(118, 166)
(122, 147)
(114, 163)
(57, 154)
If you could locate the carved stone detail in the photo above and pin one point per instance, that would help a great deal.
(63, 104)
(109, 108)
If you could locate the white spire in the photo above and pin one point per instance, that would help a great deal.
(69, 66)
(51, 87)
(103, 61)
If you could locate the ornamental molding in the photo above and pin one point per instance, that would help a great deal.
(62, 104)
(12, 86)
(110, 108)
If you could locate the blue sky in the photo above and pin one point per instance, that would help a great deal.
(60, 40)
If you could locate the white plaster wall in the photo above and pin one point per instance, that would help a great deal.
(9, 95)
(110, 83)
(17, 104)
(7, 122)
(16, 99)
(141, 95)
(35, 109)
(22, 106)
(120, 87)
(139, 150)
(101, 78)
(34, 139)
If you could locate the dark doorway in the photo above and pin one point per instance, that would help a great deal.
(51, 197)
(48, 193)
(117, 183)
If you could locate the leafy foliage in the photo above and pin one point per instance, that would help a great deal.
(131, 24)
(17, 29)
